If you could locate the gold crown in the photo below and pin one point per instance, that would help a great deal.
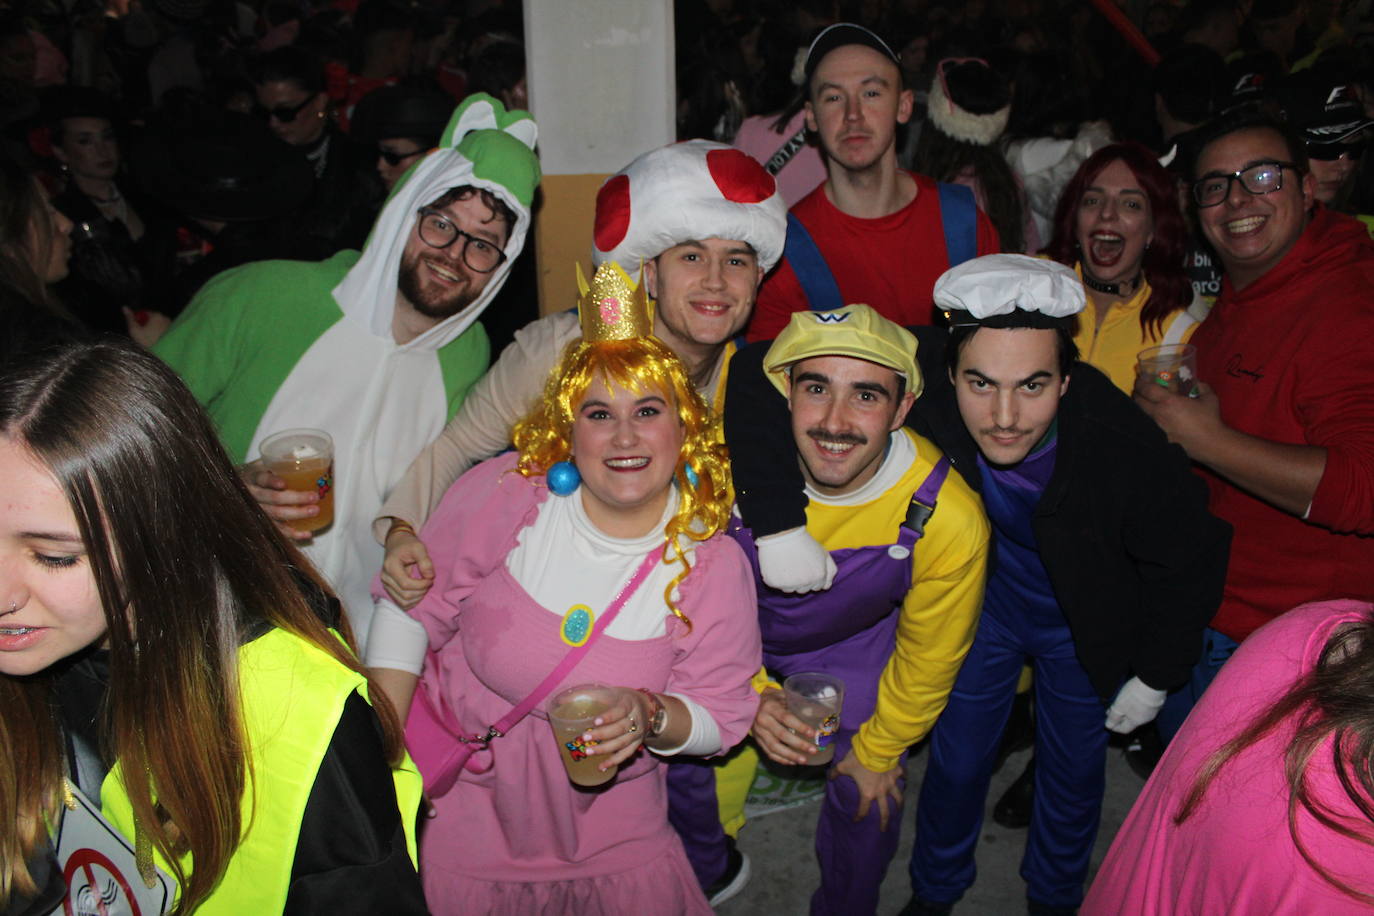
(613, 307)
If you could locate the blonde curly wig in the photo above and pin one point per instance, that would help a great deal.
(544, 437)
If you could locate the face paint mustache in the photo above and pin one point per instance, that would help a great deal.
(839, 438)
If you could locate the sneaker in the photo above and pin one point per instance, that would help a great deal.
(1143, 750)
(918, 907)
(733, 881)
(1013, 809)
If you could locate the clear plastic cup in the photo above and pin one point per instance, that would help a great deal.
(304, 458)
(1172, 366)
(571, 713)
(816, 698)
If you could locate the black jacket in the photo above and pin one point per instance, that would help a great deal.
(1136, 560)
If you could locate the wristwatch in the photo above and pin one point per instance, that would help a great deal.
(658, 713)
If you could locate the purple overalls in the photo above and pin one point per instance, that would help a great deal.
(849, 631)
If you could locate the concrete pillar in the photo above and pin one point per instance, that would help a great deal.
(602, 88)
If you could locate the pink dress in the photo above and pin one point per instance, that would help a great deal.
(521, 839)
(1235, 854)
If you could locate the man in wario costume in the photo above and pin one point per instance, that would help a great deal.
(377, 348)
(911, 545)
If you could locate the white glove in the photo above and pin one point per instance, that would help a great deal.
(1136, 704)
(793, 561)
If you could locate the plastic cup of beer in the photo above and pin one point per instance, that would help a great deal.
(571, 713)
(1172, 366)
(816, 698)
(304, 458)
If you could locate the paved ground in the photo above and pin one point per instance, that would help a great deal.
(784, 866)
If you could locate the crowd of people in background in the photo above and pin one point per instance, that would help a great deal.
(855, 389)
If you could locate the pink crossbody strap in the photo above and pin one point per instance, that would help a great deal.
(556, 676)
(522, 709)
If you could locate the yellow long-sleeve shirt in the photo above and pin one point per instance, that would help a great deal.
(940, 614)
(1113, 344)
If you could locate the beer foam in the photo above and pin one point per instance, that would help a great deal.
(303, 451)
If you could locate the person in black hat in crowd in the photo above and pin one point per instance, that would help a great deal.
(1321, 105)
(1106, 564)
(401, 123)
(122, 244)
(289, 84)
(872, 232)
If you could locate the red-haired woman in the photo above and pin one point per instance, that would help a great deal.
(1119, 224)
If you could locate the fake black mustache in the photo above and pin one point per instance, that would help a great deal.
(844, 438)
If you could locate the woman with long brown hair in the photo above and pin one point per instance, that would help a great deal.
(1264, 800)
(173, 675)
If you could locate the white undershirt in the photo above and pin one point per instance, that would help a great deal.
(564, 560)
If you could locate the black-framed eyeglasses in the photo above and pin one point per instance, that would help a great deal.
(1260, 178)
(1330, 152)
(394, 158)
(438, 231)
(285, 114)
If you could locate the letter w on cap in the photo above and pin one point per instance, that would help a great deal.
(832, 317)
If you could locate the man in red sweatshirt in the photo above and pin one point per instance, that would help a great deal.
(1284, 426)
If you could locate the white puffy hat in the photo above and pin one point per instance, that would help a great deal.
(684, 192)
(1010, 291)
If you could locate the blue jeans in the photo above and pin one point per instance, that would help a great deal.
(1217, 647)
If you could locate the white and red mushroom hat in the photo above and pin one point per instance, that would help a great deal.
(688, 191)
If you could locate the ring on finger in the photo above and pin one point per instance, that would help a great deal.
(634, 726)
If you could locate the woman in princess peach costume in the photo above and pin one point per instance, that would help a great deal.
(526, 556)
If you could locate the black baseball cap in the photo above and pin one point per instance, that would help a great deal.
(1323, 112)
(839, 35)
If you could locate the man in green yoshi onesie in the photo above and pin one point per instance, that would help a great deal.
(377, 348)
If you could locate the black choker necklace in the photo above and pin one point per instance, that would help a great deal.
(1111, 289)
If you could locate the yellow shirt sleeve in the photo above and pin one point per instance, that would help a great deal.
(935, 629)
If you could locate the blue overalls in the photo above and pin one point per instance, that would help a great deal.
(1021, 620)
